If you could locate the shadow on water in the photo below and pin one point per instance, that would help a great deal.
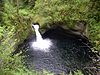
(69, 52)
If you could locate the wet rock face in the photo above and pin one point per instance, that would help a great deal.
(70, 51)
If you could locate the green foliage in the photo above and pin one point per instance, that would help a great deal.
(78, 72)
(1, 32)
(14, 28)
(16, 17)
(94, 23)
(51, 11)
(95, 34)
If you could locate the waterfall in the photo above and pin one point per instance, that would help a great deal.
(38, 35)
(40, 43)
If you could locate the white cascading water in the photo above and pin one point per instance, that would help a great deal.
(40, 43)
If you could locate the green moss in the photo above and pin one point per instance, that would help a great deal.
(16, 19)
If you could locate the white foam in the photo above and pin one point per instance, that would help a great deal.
(40, 43)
